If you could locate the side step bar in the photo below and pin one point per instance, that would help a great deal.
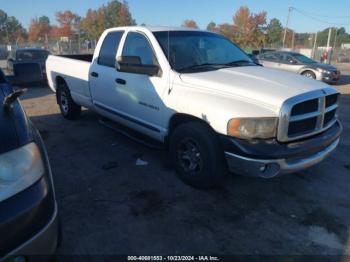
(132, 134)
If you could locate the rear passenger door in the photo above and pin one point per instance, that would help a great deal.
(269, 60)
(102, 77)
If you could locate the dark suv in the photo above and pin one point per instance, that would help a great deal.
(31, 58)
(28, 209)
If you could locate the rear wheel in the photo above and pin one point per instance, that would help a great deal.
(69, 109)
(197, 155)
(309, 74)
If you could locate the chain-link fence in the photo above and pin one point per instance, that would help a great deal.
(65, 47)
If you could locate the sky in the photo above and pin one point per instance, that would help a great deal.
(174, 12)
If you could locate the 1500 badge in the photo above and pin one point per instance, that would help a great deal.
(149, 106)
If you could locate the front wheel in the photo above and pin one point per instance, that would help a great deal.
(309, 74)
(197, 155)
(69, 109)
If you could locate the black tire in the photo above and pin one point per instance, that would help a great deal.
(203, 167)
(309, 74)
(69, 109)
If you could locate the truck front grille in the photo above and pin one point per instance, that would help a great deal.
(308, 114)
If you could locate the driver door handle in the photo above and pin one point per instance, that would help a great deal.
(120, 81)
(94, 74)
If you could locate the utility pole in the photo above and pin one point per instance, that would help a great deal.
(293, 40)
(328, 44)
(314, 48)
(290, 9)
(329, 38)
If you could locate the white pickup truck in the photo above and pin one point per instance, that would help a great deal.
(201, 95)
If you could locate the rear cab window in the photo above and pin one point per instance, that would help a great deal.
(109, 48)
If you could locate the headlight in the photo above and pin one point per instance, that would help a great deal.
(19, 169)
(248, 128)
(324, 71)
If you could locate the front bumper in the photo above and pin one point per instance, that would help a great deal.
(330, 78)
(29, 223)
(270, 158)
(28, 220)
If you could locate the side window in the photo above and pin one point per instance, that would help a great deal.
(289, 59)
(137, 44)
(279, 57)
(109, 49)
(269, 57)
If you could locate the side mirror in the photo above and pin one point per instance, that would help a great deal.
(132, 64)
(10, 60)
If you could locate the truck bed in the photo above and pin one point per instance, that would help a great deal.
(74, 69)
(81, 57)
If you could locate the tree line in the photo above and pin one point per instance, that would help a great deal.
(68, 24)
(252, 30)
(247, 29)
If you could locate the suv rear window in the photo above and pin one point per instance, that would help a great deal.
(109, 49)
(28, 55)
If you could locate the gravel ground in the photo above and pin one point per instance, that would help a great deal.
(110, 205)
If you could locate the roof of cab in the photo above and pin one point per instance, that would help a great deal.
(156, 28)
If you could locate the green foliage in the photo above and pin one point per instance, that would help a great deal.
(274, 32)
(114, 14)
(211, 27)
(11, 30)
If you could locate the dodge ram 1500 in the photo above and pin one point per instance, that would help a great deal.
(201, 95)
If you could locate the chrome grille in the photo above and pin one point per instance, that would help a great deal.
(308, 114)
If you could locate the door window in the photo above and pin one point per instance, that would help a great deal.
(137, 44)
(290, 60)
(109, 49)
(270, 57)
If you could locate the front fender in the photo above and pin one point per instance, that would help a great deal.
(218, 109)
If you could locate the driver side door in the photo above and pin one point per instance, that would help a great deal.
(141, 94)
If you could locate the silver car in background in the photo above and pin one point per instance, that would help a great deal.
(300, 64)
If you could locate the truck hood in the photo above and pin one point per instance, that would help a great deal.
(261, 85)
(14, 126)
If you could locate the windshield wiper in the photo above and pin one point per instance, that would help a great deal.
(199, 66)
(240, 62)
(216, 66)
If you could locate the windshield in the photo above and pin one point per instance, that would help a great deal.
(303, 59)
(27, 55)
(195, 50)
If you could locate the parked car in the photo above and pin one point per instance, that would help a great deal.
(27, 55)
(28, 209)
(342, 58)
(201, 95)
(300, 64)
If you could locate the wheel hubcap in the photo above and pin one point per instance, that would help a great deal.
(64, 102)
(190, 156)
(308, 75)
